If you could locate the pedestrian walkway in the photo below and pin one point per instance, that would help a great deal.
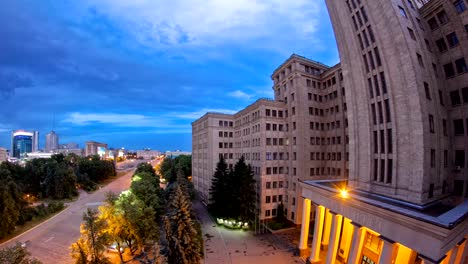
(241, 247)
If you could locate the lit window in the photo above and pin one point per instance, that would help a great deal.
(402, 12)
(459, 6)
(460, 64)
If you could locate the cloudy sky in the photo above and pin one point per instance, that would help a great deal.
(136, 73)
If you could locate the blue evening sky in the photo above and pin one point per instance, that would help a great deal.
(136, 73)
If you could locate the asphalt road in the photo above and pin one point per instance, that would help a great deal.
(50, 241)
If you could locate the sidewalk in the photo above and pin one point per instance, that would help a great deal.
(241, 247)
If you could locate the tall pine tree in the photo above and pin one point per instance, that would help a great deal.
(243, 174)
(218, 190)
(181, 235)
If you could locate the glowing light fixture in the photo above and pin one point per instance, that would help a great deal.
(344, 193)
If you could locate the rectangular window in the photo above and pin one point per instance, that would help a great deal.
(402, 12)
(420, 60)
(376, 85)
(460, 64)
(458, 127)
(464, 92)
(441, 98)
(442, 16)
(431, 123)
(452, 39)
(374, 116)
(428, 92)
(364, 14)
(364, 57)
(459, 6)
(455, 98)
(371, 34)
(445, 158)
(449, 71)
(384, 83)
(376, 143)
(389, 141)
(382, 170)
(382, 141)
(377, 57)
(433, 23)
(387, 111)
(411, 33)
(459, 158)
(433, 158)
(371, 58)
(440, 43)
(389, 170)
(380, 112)
(360, 41)
(376, 169)
(371, 92)
(444, 127)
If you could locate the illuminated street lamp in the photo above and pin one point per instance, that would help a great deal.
(344, 193)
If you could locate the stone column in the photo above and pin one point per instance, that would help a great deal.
(318, 229)
(305, 226)
(462, 251)
(356, 243)
(335, 232)
(388, 251)
(326, 230)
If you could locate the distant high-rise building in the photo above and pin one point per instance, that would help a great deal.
(52, 142)
(96, 148)
(23, 142)
(35, 143)
(3, 155)
(70, 145)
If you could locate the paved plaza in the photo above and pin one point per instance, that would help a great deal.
(224, 246)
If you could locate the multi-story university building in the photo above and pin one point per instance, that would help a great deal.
(371, 152)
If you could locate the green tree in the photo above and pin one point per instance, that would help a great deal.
(182, 245)
(246, 195)
(184, 163)
(145, 167)
(146, 187)
(60, 180)
(219, 189)
(16, 255)
(10, 202)
(93, 240)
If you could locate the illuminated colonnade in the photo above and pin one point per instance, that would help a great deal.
(338, 239)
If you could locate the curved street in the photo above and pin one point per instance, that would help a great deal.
(50, 241)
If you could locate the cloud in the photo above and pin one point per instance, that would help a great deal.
(210, 22)
(240, 95)
(10, 81)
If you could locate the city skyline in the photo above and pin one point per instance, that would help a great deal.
(102, 74)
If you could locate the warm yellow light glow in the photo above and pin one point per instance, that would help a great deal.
(344, 193)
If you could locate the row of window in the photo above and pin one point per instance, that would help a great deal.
(369, 60)
(276, 170)
(374, 87)
(380, 112)
(452, 41)
(223, 123)
(325, 171)
(326, 126)
(382, 139)
(273, 113)
(456, 99)
(225, 134)
(325, 84)
(275, 184)
(275, 141)
(460, 66)
(325, 98)
(386, 174)
(273, 199)
(328, 156)
(458, 128)
(323, 112)
(325, 141)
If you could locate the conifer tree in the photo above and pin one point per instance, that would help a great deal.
(182, 246)
(244, 178)
(218, 190)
